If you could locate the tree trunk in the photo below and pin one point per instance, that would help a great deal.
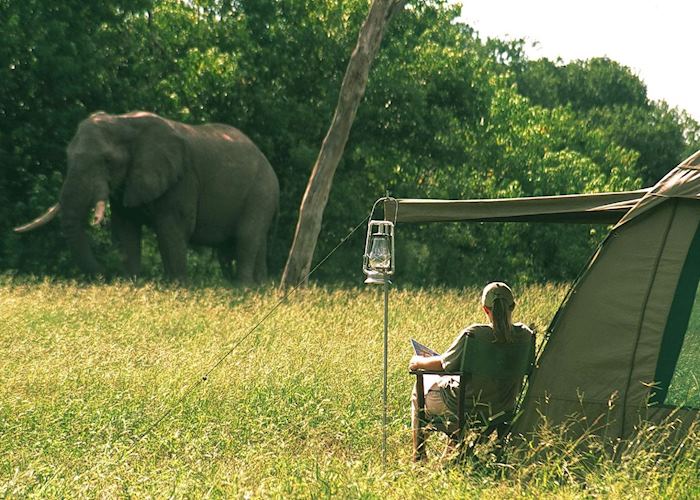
(319, 186)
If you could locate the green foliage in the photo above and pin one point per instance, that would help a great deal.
(610, 97)
(445, 115)
(654, 133)
(595, 83)
(293, 412)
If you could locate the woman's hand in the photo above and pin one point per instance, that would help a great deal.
(433, 363)
(415, 362)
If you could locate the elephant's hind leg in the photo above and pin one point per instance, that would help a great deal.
(251, 244)
(260, 273)
(248, 245)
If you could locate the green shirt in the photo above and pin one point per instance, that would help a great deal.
(485, 395)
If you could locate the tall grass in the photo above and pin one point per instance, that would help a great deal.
(684, 388)
(294, 411)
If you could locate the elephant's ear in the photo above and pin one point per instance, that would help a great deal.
(157, 164)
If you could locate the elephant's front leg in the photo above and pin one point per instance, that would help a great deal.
(127, 234)
(172, 243)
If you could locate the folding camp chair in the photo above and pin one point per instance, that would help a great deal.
(485, 359)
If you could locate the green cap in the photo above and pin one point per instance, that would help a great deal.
(497, 290)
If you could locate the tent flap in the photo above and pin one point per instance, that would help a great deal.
(599, 208)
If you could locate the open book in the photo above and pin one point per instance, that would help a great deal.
(420, 350)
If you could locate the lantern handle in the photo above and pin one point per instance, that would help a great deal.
(385, 199)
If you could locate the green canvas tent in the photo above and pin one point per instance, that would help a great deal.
(625, 344)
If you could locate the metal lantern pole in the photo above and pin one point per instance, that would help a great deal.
(378, 266)
(386, 365)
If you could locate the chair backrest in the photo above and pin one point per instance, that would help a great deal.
(497, 360)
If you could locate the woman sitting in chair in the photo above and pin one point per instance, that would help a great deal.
(491, 387)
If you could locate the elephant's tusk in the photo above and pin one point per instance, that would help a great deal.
(41, 220)
(99, 216)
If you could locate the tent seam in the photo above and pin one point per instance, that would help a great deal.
(632, 363)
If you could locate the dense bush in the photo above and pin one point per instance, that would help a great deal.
(446, 114)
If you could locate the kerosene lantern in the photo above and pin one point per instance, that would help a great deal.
(378, 261)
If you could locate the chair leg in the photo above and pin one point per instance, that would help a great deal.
(419, 453)
(418, 419)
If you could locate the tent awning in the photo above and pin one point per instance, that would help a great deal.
(598, 208)
(681, 182)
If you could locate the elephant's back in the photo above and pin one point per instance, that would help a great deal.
(228, 145)
(234, 177)
(222, 132)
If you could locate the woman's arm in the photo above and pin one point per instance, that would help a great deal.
(432, 363)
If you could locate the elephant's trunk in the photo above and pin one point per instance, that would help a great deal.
(75, 211)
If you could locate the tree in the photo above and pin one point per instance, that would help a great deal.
(320, 182)
(585, 84)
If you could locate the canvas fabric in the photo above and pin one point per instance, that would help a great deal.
(599, 365)
(602, 208)
(593, 338)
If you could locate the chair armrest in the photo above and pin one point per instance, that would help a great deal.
(432, 372)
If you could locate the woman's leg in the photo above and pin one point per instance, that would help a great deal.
(434, 407)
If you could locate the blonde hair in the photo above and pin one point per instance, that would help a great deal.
(502, 318)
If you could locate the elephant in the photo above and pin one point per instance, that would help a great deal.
(203, 184)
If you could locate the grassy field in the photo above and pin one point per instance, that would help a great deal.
(685, 384)
(294, 411)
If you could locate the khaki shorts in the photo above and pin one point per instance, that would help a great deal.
(434, 407)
